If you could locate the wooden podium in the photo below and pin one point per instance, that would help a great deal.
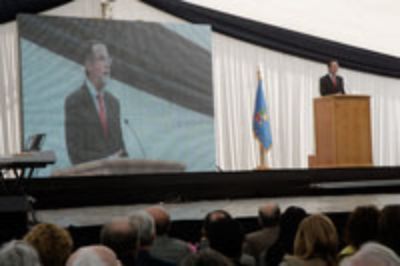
(342, 131)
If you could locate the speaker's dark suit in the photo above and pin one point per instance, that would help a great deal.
(84, 133)
(326, 85)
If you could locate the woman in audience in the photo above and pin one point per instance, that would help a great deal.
(54, 244)
(315, 244)
(18, 253)
(362, 226)
(389, 227)
(289, 223)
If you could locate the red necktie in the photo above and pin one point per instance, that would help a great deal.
(102, 114)
(334, 81)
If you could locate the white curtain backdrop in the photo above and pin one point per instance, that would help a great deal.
(291, 85)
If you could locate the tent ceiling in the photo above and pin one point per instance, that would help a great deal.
(370, 24)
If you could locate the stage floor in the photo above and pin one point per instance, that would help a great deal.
(197, 210)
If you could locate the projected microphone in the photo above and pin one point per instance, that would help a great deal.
(134, 133)
(219, 169)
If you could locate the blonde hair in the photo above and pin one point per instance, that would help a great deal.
(317, 238)
(54, 244)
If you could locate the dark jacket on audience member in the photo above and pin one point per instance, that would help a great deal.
(169, 249)
(144, 258)
(260, 241)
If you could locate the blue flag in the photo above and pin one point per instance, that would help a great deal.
(261, 123)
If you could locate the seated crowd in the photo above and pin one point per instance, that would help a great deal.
(372, 237)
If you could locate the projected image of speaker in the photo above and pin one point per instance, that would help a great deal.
(105, 89)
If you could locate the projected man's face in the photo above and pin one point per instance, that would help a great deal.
(98, 67)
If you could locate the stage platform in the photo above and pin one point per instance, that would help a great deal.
(189, 196)
(240, 208)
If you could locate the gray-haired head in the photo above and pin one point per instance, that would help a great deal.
(96, 255)
(18, 253)
(146, 226)
(122, 237)
(372, 254)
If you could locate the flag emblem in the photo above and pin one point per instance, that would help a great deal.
(261, 122)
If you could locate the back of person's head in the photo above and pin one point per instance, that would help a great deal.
(214, 216)
(362, 226)
(161, 219)
(389, 227)
(18, 253)
(206, 257)
(226, 236)
(122, 237)
(317, 237)
(54, 244)
(146, 227)
(269, 215)
(372, 254)
(93, 256)
(289, 223)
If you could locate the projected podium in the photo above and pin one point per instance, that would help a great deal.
(342, 131)
(121, 167)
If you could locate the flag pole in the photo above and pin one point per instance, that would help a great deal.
(263, 165)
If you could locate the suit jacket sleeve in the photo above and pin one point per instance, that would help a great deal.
(322, 86)
(342, 85)
(72, 136)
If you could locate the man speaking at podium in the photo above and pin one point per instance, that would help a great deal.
(331, 83)
(92, 114)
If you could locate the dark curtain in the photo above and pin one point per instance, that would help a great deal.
(283, 40)
(10, 8)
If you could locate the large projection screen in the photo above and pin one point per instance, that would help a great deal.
(100, 89)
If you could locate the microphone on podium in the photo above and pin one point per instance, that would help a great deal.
(136, 136)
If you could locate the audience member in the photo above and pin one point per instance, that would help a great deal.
(96, 255)
(372, 254)
(260, 241)
(121, 236)
(226, 236)
(210, 218)
(142, 240)
(362, 226)
(18, 253)
(206, 257)
(316, 243)
(289, 224)
(165, 247)
(146, 237)
(389, 227)
(54, 244)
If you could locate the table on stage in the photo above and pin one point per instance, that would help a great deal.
(22, 165)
